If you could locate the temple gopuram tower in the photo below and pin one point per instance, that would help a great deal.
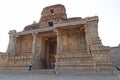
(60, 43)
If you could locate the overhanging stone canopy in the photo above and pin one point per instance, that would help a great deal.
(58, 42)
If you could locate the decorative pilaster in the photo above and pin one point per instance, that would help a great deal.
(12, 43)
(87, 39)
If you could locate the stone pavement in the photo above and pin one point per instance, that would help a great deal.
(34, 76)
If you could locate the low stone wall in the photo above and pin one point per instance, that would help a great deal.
(14, 61)
(19, 61)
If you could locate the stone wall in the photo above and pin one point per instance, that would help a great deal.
(73, 41)
(74, 54)
(19, 61)
(3, 60)
(24, 45)
(115, 55)
(14, 61)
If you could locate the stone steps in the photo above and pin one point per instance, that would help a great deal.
(50, 71)
(25, 70)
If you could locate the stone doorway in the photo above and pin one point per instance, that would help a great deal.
(50, 52)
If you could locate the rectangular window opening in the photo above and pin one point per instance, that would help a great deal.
(50, 23)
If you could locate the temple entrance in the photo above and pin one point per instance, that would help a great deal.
(50, 52)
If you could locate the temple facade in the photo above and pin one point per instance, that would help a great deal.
(58, 42)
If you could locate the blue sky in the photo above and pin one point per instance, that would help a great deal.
(16, 14)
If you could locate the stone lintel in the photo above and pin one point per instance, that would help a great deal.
(94, 18)
(78, 22)
(37, 30)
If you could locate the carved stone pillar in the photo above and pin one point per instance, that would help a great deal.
(40, 53)
(16, 50)
(33, 45)
(12, 43)
(59, 46)
(34, 56)
(87, 39)
(59, 41)
(40, 46)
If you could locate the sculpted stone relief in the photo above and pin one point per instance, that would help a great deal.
(73, 41)
(25, 44)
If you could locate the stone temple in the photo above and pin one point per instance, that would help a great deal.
(58, 42)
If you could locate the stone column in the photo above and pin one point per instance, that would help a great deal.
(59, 46)
(33, 45)
(59, 41)
(40, 53)
(12, 43)
(40, 49)
(87, 39)
(16, 44)
(34, 55)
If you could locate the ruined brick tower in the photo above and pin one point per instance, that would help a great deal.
(52, 15)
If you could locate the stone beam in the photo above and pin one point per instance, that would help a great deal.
(80, 22)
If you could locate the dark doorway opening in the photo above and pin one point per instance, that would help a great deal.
(50, 52)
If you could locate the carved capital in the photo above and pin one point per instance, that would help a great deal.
(58, 31)
(86, 28)
(34, 33)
